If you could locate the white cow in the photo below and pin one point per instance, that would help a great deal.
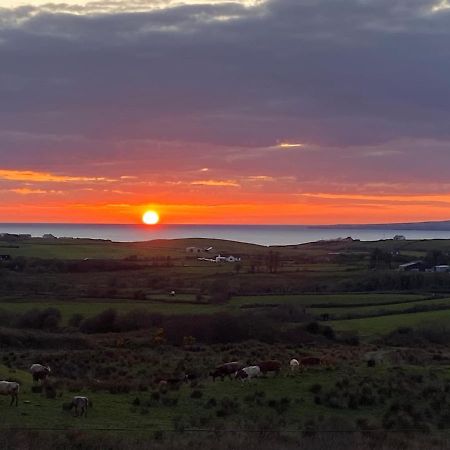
(247, 373)
(294, 364)
(80, 404)
(39, 372)
(12, 389)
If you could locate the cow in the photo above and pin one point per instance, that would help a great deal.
(294, 365)
(79, 405)
(247, 373)
(190, 377)
(310, 361)
(270, 366)
(227, 369)
(12, 389)
(169, 381)
(39, 372)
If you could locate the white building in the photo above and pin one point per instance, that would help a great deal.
(442, 268)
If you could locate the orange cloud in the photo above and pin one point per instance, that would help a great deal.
(44, 177)
(232, 183)
(28, 191)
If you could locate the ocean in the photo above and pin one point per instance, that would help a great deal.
(257, 234)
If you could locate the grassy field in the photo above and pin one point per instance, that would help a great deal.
(120, 411)
(175, 305)
(372, 326)
(393, 308)
(268, 312)
(311, 300)
(97, 249)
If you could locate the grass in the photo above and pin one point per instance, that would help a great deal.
(175, 305)
(373, 309)
(117, 412)
(371, 326)
(97, 249)
(312, 300)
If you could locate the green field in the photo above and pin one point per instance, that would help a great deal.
(371, 326)
(265, 311)
(311, 300)
(174, 305)
(117, 412)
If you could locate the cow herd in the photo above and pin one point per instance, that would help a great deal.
(40, 373)
(233, 370)
(241, 372)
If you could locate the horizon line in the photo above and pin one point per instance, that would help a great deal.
(230, 224)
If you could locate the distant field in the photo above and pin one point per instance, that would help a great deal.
(392, 308)
(328, 299)
(85, 248)
(91, 308)
(179, 304)
(385, 324)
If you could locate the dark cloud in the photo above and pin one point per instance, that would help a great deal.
(341, 75)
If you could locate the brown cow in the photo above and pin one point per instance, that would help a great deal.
(310, 361)
(270, 366)
(227, 369)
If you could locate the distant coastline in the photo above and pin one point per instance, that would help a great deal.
(443, 225)
(255, 234)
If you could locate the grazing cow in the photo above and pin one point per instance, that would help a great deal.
(247, 373)
(270, 366)
(169, 381)
(12, 389)
(190, 377)
(39, 372)
(310, 361)
(80, 406)
(227, 369)
(294, 364)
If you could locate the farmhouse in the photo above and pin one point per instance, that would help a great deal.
(49, 236)
(227, 258)
(413, 266)
(222, 259)
(14, 237)
(198, 250)
(442, 268)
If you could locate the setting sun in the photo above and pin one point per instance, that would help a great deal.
(150, 218)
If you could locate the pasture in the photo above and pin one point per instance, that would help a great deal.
(322, 300)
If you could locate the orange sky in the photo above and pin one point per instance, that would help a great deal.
(32, 196)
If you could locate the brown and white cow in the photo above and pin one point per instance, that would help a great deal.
(247, 373)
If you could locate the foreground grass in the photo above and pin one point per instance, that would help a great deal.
(118, 412)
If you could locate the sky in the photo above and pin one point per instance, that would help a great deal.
(258, 111)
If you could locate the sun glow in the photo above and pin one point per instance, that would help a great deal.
(150, 218)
